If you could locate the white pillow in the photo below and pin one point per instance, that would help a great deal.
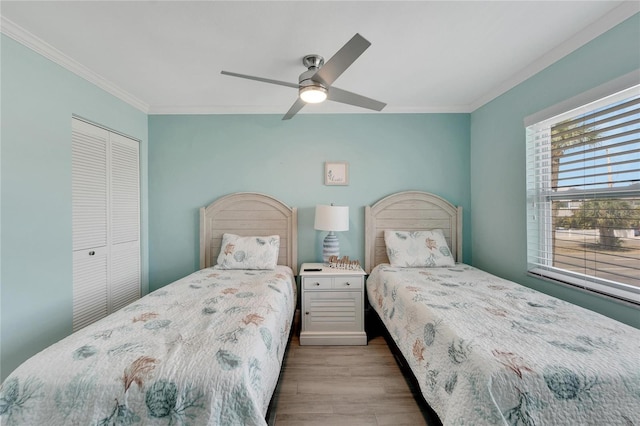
(239, 252)
(417, 249)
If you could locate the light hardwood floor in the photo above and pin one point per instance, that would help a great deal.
(345, 385)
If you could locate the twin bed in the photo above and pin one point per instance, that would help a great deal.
(487, 351)
(207, 349)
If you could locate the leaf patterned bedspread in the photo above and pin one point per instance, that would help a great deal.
(487, 351)
(204, 350)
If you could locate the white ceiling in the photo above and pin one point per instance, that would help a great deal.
(426, 56)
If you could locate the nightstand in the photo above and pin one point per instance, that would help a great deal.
(332, 305)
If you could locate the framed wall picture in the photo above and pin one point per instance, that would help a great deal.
(336, 173)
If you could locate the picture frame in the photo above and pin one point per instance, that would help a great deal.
(336, 173)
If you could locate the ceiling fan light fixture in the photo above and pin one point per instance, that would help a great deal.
(314, 84)
(313, 94)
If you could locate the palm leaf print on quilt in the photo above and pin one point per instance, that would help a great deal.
(521, 414)
(266, 337)
(430, 330)
(84, 352)
(73, 396)
(253, 319)
(145, 317)
(255, 374)
(418, 350)
(13, 400)
(137, 371)
(240, 412)
(157, 324)
(161, 398)
(459, 351)
(512, 361)
(120, 416)
(228, 360)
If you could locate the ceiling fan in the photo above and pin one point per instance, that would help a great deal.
(315, 84)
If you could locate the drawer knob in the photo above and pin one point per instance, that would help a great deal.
(348, 283)
(306, 313)
(317, 283)
(91, 253)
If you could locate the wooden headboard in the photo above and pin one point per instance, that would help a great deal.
(248, 214)
(410, 211)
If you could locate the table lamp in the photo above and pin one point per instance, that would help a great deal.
(331, 218)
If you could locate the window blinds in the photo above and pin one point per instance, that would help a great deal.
(583, 192)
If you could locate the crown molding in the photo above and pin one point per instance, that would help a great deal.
(621, 13)
(27, 39)
(239, 110)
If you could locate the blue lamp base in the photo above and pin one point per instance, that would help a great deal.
(330, 247)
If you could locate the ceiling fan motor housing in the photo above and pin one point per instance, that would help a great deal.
(313, 63)
(314, 60)
(308, 84)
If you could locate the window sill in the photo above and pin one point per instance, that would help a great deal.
(625, 297)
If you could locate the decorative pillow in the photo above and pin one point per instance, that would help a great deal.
(417, 249)
(239, 252)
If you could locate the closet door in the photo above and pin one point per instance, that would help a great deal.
(90, 195)
(125, 222)
(106, 224)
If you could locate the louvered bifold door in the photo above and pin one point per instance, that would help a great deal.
(90, 228)
(106, 222)
(125, 222)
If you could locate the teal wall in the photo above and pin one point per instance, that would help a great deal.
(498, 186)
(195, 159)
(473, 160)
(37, 99)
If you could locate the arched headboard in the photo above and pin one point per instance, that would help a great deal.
(248, 214)
(410, 211)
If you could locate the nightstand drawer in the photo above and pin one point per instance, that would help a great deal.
(312, 283)
(346, 283)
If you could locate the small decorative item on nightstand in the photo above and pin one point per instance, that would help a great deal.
(332, 305)
(343, 263)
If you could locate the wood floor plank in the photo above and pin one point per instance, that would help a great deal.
(326, 419)
(346, 385)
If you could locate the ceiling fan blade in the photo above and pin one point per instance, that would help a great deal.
(297, 106)
(264, 80)
(345, 97)
(334, 67)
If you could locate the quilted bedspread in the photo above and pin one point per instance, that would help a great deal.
(204, 350)
(487, 351)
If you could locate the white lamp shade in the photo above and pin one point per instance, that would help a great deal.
(332, 218)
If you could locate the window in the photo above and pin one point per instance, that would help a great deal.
(583, 196)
